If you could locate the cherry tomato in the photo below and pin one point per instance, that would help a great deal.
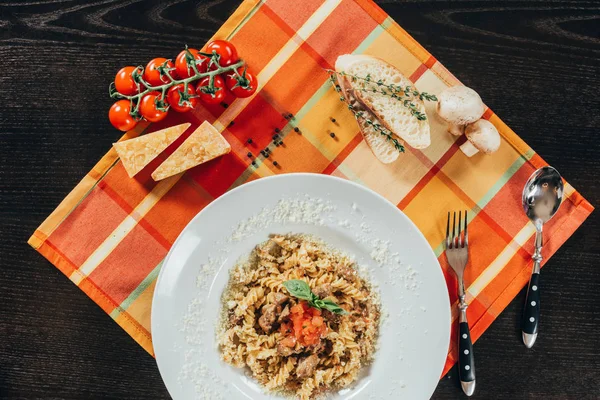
(226, 51)
(125, 83)
(243, 85)
(174, 97)
(120, 116)
(181, 63)
(152, 74)
(208, 96)
(150, 107)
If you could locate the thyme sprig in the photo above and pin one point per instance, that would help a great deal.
(362, 116)
(405, 94)
(382, 130)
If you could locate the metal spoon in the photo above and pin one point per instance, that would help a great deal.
(542, 196)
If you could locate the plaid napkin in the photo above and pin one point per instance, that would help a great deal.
(111, 233)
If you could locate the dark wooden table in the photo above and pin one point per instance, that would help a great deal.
(536, 63)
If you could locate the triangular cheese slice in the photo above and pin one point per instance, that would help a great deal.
(204, 144)
(136, 153)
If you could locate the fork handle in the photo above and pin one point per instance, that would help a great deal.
(466, 359)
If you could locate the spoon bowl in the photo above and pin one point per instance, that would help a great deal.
(542, 196)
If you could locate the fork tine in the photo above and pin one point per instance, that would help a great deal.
(466, 231)
(454, 230)
(459, 241)
(448, 231)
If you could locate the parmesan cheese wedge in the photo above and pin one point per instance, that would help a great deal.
(136, 153)
(204, 144)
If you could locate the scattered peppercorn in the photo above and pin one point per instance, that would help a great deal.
(254, 163)
(231, 123)
(277, 130)
(225, 105)
(249, 141)
(275, 137)
(290, 116)
(275, 163)
(332, 134)
(286, 116)
(277, 144)
(249, 155)
(296, 129)
(333, 120)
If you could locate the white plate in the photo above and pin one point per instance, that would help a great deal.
(414, 335)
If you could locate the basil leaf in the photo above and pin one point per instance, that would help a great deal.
(299, 289)
(317, 303)
(333, 307)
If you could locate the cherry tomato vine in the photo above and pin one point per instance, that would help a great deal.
(165, 85)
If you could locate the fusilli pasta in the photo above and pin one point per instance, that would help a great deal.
(258, 331)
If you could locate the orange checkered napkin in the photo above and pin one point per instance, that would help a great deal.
(111, 233)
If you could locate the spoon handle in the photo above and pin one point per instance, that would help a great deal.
(531, 312)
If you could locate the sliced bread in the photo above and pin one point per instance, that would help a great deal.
(379, 144)
(390, 112)
(383, 148)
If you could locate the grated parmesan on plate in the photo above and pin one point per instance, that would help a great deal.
(307, 210)
(199, 333)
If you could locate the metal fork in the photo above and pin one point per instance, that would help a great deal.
(457, 252)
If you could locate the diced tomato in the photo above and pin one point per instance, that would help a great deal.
(308, 328)
(298, 328)
(289, 341)
(306, 324)
(286, 328)
(305, 306)
(297, 309)
(311, 339)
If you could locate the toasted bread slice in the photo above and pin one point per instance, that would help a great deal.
(136, 153)
(384, 149)
(381, 147)
(390, 112)
(204, 144)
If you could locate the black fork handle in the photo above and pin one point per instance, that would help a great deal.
(466, 358)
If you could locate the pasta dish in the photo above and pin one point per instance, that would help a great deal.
(299, 317)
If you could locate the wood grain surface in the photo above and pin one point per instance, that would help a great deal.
(535, 63)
